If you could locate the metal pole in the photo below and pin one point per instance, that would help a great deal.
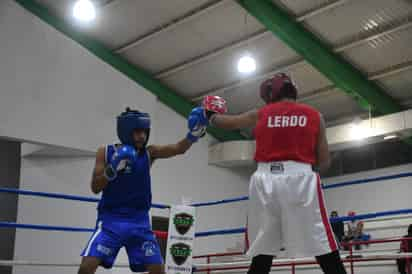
(408, 261)
(351, 257)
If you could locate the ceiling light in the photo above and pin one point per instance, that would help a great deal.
(246, 64)
(83, 10)
(358, 130)
(389, 137)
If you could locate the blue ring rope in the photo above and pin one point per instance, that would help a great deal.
(205, 233)
(82, 229)
(371, 215)
(369, 180)
(224, 201)
(45, 227)
(61, 196)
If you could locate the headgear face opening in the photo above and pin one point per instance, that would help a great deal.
(278, 87)
(130, 120)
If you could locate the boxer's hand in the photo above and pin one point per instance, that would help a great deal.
(119, 160)
(197, 123)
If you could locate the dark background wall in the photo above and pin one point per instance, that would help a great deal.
(369, 157)
(9, 177)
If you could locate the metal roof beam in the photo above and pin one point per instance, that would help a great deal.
(374, 76)
(407, 23)
(393, 70)
(173, 24)
(319, 55)
(165, 94)
(240, 43)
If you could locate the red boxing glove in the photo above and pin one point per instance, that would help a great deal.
(213, 105)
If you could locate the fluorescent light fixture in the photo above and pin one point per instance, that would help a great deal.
(389, 137)
(84, 11)
(359, 130)
(246, 64)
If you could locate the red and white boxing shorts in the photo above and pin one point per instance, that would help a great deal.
(287, 210)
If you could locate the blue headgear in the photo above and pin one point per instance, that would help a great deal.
(130, 120)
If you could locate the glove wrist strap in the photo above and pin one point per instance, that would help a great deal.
(192, 138)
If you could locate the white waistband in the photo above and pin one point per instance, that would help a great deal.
(284, 167)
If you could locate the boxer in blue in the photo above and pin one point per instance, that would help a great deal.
(122, 173)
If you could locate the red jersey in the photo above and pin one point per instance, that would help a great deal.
(287, 131)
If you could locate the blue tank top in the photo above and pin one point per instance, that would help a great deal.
(129, 195)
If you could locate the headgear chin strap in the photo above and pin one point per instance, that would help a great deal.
(130, 120)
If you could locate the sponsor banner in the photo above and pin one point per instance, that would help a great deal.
(180, 240)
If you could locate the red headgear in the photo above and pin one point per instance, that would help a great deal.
(277, 87)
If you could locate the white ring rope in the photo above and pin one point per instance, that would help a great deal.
(306, 267)
(388, 256)
(378, 256)
(239, 263)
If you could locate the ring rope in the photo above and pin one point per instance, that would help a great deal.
(203, 267)
(211, 203)
(205, 233)
(304, 260)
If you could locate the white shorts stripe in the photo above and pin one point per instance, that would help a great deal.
(96, 233)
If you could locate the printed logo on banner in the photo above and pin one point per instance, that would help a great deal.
(183, 222)
(180, 252)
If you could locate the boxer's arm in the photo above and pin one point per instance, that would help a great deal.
(168, 151)
(239, 121)
(323, 156)
(359, 227)
(99, 181)
(349, 231)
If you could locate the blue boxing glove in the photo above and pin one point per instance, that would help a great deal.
(197, 118)
(197, 123)
(119, 160)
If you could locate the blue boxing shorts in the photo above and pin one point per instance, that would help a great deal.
(111, 235)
